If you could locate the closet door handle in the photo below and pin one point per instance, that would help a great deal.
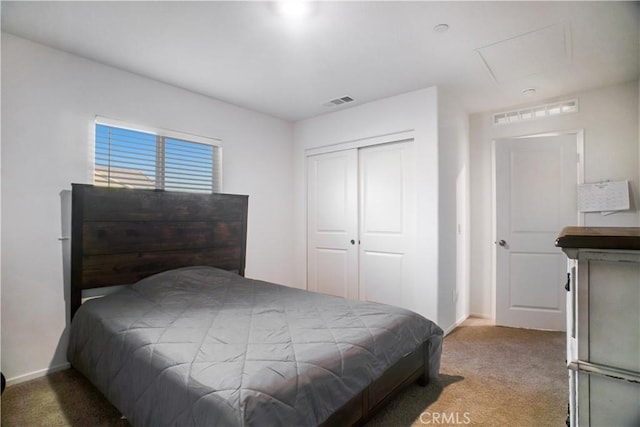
(353, 242)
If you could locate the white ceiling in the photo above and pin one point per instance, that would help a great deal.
(246, 54)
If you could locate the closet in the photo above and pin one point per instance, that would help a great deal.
(361, 222)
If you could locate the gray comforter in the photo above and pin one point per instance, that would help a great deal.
(201, 346)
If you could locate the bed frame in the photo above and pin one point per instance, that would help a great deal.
(120, 236)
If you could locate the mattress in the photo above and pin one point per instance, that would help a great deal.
(205, 347)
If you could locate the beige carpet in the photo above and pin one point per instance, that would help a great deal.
(491, 376)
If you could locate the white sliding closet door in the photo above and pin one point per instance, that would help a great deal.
(387, 221)
(332, 223)
(361, 222)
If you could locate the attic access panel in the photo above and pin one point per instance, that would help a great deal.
(528, 54)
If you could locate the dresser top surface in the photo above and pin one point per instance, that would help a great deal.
(627, 238)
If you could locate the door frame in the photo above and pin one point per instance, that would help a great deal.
(579, 135)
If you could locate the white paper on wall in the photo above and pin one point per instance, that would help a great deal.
(605, 197)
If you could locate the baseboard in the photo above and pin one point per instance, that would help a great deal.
(455, 325)
(37, 374)
(480, 315)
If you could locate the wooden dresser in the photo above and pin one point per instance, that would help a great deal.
(603, 325)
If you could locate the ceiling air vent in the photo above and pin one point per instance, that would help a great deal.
(339, 101)
(536, 112)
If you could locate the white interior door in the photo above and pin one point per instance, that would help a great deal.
(387, 221)
(536, 182)
(332, 223)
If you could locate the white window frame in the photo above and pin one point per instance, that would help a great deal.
(162, 133)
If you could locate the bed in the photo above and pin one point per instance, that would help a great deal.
(190, 341)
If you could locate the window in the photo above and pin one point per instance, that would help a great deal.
(536, 112)
(136, 158)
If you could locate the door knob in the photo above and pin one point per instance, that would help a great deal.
(353, 242)
(501, 242)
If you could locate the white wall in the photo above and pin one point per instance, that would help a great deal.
(453, 205)
(417, 111)
(609, 117)
(49, 101)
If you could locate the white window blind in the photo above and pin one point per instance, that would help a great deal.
(132, 158)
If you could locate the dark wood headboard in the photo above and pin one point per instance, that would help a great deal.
(119, 236)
